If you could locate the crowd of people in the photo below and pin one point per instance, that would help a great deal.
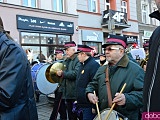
(86, 83)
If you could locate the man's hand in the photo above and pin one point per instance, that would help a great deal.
(119, 99)
(92, 98)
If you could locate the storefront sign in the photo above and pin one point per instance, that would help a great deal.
(119, 17)
(42, 24)
(147, 34)
(90, 35)
(131, 39)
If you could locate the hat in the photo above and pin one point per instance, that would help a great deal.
(69, 44)
(57, 51)
(102, 55)
(115, 40)
(146, 45)
(83, 48)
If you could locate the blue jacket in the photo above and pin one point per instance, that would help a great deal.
(17, 96)
(85, 75)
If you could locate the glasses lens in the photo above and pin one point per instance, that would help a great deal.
(110, 48)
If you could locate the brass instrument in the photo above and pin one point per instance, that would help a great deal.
(144, 61)
(46, 78)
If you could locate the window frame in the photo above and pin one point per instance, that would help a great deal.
(124, 7)
(145, 20)
(29, 3)
(58, 2)
(91, 7)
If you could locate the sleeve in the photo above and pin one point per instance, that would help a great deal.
(72, 74)
(12, 70)
(134, 98)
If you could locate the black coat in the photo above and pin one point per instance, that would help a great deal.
(85, 75)
(16, 89)
(152, 77)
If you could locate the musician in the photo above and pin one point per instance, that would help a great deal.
(59, 54)
(85, 74)
(120, 70)
(59, 104)
(69, 78)
(102, 59)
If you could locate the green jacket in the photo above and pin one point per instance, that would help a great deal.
(68, 85)
(126, 71)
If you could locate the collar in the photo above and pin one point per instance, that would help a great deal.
(73, 56)
(155, 14)
(86, 61)
(123, 61)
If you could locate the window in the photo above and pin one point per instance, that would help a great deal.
(124, 6)
(92, 5)
(107, 6)
(144, 13)
(154, 21)
(42, 43)
(30, 3)
(1, 0)
(58, 5)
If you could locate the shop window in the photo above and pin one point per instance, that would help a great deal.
(123, 6)
(58, 5)
(62, 39)
(48, 39)
(95, 45)
(41, 47)
(30, 3)
(92, 5)
(30, 38)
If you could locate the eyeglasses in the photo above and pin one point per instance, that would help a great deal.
(111, 48)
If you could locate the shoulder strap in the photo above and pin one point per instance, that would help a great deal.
(108, 88)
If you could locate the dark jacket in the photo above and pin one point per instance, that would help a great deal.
(152, 76)
(16, 97)
(126, 71)
(68, 85)
(85, 75)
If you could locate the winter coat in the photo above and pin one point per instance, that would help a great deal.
(68, 85)
(126, 71)
(85, 75)
(17, 96)
(152, 76)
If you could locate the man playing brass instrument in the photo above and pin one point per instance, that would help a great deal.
(120, 70)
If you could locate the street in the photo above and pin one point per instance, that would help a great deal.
(44, 108)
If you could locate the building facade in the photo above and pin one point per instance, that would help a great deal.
(146, 24)
(39, 26)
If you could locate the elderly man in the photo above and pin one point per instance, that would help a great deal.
(152, 76)
(110, 78)
(69, 75)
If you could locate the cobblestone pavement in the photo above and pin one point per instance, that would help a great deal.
(44, 108)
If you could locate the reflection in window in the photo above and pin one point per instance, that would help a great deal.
(58, 5)
(92, 5)
(30, 38)
(62, 39)
(48, 39)
(30, 3)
